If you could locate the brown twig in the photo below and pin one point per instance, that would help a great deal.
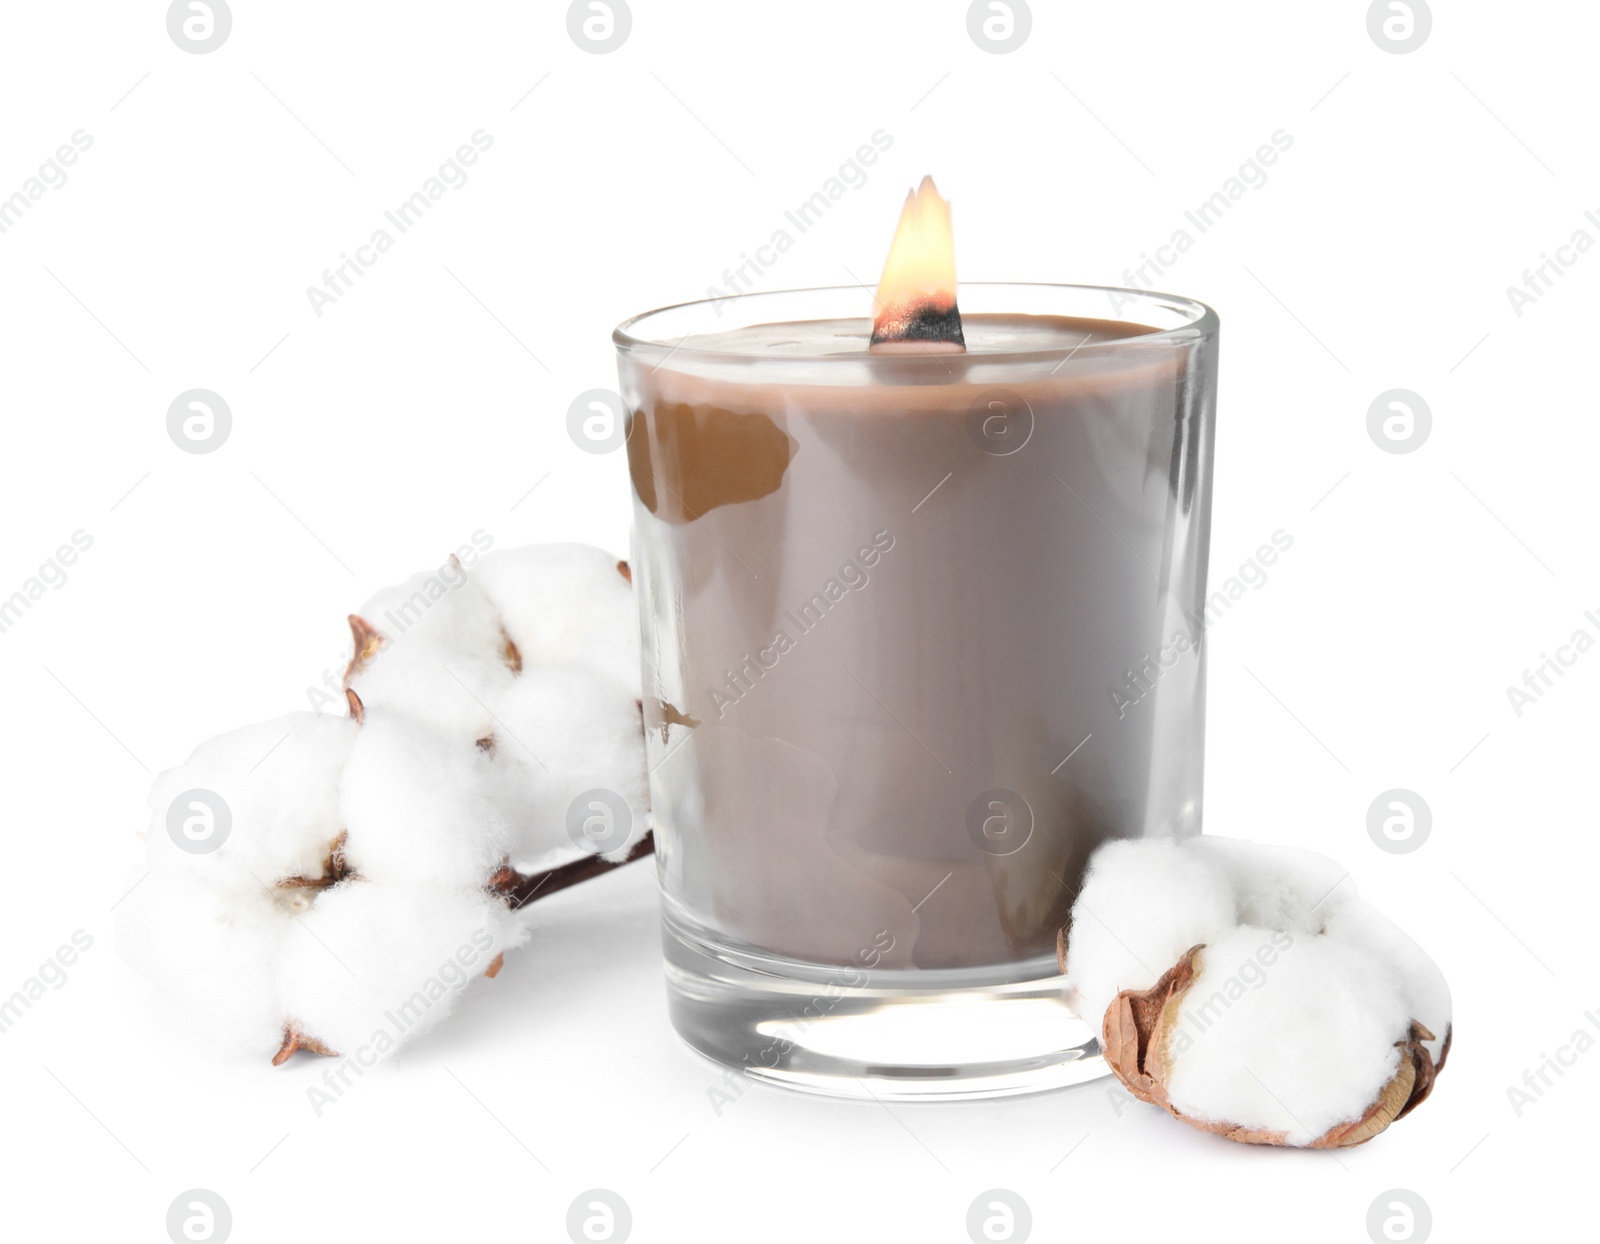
(520, 888)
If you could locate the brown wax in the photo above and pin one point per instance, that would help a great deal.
(860, 617)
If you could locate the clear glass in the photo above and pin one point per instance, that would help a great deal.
(919, 632)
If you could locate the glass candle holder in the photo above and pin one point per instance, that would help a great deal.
(920, 631)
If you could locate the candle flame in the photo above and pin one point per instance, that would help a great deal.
(917, 293)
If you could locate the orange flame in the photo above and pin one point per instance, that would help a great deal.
(917, 292)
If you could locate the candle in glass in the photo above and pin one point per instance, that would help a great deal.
(920, 629)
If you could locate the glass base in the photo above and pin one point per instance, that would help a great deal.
(906, 1035)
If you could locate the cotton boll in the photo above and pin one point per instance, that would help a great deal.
(1297, 1019)
(209, 951)
(373, 966)
(279, 786)
(1143, 903)
(419, 806)
(1284, 1034)
(567, 604)
(566, 731)
(443, 655)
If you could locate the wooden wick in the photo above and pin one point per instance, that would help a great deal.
(922, 326)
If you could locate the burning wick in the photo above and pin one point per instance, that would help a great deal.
(917, 293)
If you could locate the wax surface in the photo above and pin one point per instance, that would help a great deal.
(985, 334)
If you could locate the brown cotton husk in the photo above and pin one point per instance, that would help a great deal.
(367, 641)
(295, 1040)
(1134, 1039)
(334, 869)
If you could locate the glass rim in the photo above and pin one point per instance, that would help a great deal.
(1199, 321)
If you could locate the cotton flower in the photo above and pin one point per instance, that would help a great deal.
(334, 884)
(1250, 991)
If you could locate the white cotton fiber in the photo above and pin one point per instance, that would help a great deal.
(567, 604)
(1143, 903)
(567, 731)
(1417, 976)
(443, 658)
(279, 781)
(1279, 887)
(211, 952)
(419, 806)
(373, 966)
(1295, 1044)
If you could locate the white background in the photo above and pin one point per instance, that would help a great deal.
(428, 401)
